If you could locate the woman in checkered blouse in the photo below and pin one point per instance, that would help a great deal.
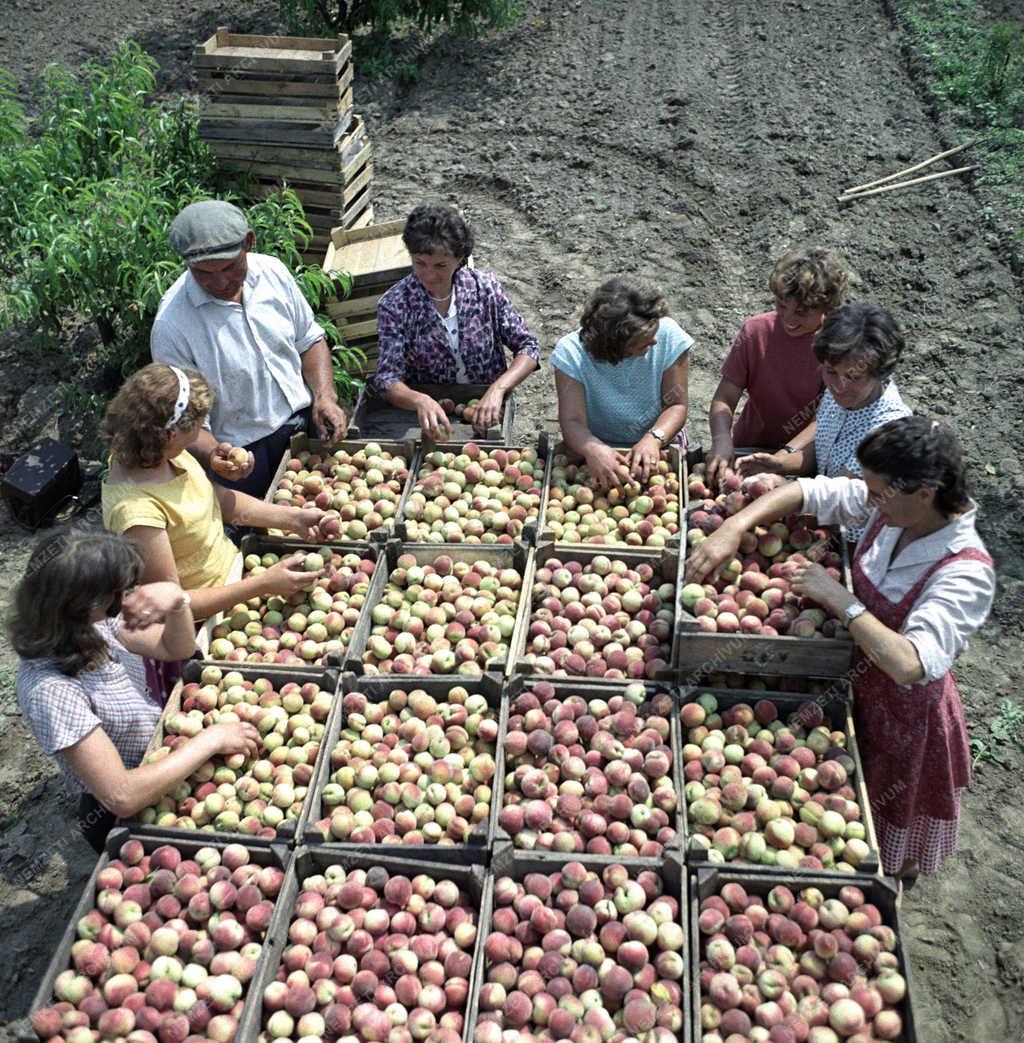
(80, 625)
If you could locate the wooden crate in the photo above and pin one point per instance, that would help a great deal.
(321, 165)
(236, 63)
(264, 124)
(374, 256)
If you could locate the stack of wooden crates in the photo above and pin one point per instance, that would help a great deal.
(278, 110)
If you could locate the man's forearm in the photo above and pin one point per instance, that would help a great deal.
(203, 446)
(317, 372)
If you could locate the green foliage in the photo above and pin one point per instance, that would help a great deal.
(377, 50)
(976, 71)
(87, 192)
(1005, 730)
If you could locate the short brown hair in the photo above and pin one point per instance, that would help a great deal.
(619, 311)
(864, 333)
(135, 425)
(433, 228)
(70, 576)
(814, 278)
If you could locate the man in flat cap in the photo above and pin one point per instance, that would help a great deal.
(240, 319)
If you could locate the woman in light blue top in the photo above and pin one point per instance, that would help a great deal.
(622, 379)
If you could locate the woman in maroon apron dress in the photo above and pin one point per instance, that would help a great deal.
(922, 584)
(916, 772)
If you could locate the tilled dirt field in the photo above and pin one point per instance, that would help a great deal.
(687, 143)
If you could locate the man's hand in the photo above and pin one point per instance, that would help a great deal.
(607, 466)
(488, 411)
(644, 457)
(330, 421)
(231, 462)
(304, 522)
(150, 604)
(433, 420)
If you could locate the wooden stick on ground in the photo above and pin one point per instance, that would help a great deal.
(909, 170)
(849, 198)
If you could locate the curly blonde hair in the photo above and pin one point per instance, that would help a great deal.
(135, 425)
(814, 278)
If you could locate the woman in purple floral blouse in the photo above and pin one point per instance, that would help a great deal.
(448, 324)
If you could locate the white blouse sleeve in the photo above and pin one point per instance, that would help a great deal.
(952, 606)
(836, 501)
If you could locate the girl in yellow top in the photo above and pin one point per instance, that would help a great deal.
(158, 495)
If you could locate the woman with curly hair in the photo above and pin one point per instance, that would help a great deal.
(622, 379)
(80, 624)
(158, 495)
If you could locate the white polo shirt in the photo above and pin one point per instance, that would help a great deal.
(249, 353)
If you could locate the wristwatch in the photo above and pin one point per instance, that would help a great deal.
(853, 611)
(787, 449)
(658, 434)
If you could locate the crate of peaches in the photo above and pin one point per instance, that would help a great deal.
(774, 782)
(603, 616)
(746, 618)
(258, 797)
(813, 959)
(636, 513)
(469, 493)
(586, 949)
(585, 769)
(372, 945)
(163, 945)
(358, 484)
(454, 610)
(308, 630)
(410, 765)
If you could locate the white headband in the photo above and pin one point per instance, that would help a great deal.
(184, 391)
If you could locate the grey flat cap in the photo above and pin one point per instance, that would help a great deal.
(209, 231)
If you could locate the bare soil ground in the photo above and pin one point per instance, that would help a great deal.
(688, 143)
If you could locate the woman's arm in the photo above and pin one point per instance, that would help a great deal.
(888, 649)
(126, 791)
(644, 456)
(158, 622)
(606, 465)
(242, 509)
(720, 418)
(433, 420)
(721, 546)
(801, 462)
(488, 413)
(158, 565)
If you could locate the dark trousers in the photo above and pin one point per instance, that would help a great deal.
(94, 821)
(267, 452)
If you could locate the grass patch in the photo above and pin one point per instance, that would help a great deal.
(974, 68)
(1005, 731)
